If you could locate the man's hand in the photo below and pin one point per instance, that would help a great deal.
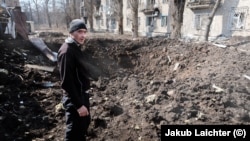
(83, 111)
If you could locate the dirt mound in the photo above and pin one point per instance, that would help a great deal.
(142, 85)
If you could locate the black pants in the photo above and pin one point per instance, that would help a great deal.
(76, 126)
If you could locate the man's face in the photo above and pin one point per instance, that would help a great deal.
(79, 35)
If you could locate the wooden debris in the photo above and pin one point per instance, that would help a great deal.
(176, 66)
(220, 45)
(218, 89)
(247, 77)
(169, 59)
(44, 68)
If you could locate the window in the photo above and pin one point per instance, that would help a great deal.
(149, 21)
(128, 22)
(98, 23)
(113, 23)
(163, 21)
(238, 18)
(151, 1)
(102, 24)
(101, 9)
(107, 2)
(83, 12)
(200, 21)
(164, 1)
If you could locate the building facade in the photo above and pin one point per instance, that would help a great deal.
(104, 19)
(231, 18)
(10, 3)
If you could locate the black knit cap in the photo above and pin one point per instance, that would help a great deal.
(76, 24)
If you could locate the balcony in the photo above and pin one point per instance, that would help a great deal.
(147, 9)
(200, 4)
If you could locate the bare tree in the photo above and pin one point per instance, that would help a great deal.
(55, 19)
(30, 10)
(210, 20)
(89, 5)
(97, 3)
(117, 6)
(74, 8)
(67, 13)
(47, 12)
(177, 9)
(134, 4)
(26, 6)
(37, 10)
(63, 12)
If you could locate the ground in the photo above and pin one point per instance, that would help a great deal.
(142, 84)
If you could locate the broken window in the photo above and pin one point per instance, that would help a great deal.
(200, 21)
(163, 21)
(238, 18)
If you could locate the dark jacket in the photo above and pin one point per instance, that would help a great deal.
(73, 74)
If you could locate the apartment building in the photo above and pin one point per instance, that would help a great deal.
(10, 3)
(231, 19)
(104, 20)
(152, 18)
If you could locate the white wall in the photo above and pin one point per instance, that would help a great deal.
(221, 24)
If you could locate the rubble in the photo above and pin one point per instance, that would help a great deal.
(136, 95)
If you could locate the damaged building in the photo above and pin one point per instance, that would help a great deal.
(12, 20)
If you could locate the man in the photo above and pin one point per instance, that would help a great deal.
(75, 82)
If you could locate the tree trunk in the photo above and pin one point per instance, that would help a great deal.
(74, 9)
(120, 17)
(47, 12)
(135, 23)
(134, 9)
(120, 25)
(210, 20)
(67, 13)
(177, 9)
(91, 22)
(55, 19)
(37, 11)
(31, 18)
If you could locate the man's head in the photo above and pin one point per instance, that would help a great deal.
(78, 30)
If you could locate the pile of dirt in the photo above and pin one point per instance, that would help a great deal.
(142, 84)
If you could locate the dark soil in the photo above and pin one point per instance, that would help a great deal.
(142, 84)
